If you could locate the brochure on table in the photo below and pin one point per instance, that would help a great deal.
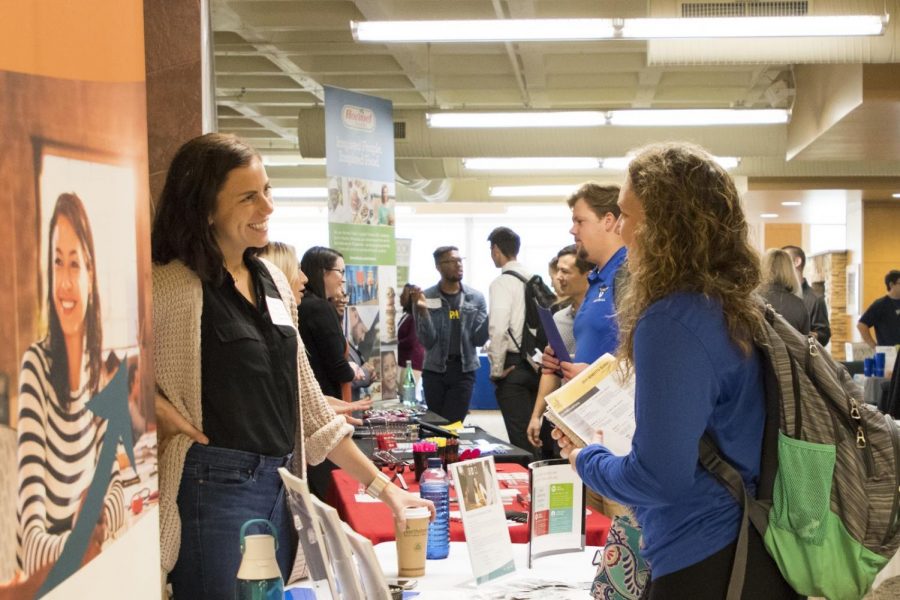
(484, 518)
(596, 399)
(309, 530)
(556, 515)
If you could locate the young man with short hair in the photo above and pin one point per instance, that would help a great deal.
(451, 321)
(883, 315)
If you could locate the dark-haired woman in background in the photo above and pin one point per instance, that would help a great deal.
(59, 437)
(232, 373)
(320, 326)
(409, 348)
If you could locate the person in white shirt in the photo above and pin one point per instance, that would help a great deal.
(515, 379)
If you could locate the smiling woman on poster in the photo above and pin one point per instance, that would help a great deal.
(236, 395)
(59, 439)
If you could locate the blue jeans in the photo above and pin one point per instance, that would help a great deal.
(220, 490)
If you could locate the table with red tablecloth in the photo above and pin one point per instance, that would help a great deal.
(374, 520)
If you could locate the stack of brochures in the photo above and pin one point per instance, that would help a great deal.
(597, 400)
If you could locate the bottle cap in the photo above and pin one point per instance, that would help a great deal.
(259, 561)
(435, 463)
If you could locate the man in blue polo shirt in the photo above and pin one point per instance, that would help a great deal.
(594, 216)
(595, 213)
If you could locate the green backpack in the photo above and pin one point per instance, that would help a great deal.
(829, 487)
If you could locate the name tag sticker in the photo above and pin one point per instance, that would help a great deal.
(278, 312)
(433, 302)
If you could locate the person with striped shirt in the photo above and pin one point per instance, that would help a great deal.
(59, 439)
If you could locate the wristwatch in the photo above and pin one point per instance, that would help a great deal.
(378, 484)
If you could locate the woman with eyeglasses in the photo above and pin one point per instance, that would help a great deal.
(320, 326)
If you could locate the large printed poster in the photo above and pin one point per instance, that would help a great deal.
(78, 500)
(359, 152)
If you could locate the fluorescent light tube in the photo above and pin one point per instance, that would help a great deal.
(483, 30)
(582, 118)
(895, 195)
(769, 215)
(791, 203)
(535, 163)
(620, 163)
(743, 27)
(282, 193)
(521, 191)
(697, 117)
(576, 30)
(596, 118)
(291, 160)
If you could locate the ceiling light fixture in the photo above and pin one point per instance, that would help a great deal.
(791, 203)
(895, 195)
(291, 160)
(769, 215)
(534, 163)
(298, 193)
(577, 30)
(596, 118)
(523, 191)
(571, 163)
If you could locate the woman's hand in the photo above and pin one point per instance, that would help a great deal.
(567, 449)
(398, 500)
(570, 370)
(170, 423)
(534, 432)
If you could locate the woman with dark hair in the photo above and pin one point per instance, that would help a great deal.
(320, 326)
(231, 372)
(59, 437)
(689, 322)
(409, 348)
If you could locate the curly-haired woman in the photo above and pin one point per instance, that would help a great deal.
(688, 323)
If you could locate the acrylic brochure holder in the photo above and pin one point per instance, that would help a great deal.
(556, 513)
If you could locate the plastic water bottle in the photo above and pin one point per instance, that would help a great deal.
(408, 386)
(435, 486)
(258, 577)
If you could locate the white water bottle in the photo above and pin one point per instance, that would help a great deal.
(258, 577)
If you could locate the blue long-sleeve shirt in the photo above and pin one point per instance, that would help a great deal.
(690, 378)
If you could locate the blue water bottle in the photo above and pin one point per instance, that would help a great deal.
(258, 577)
(435, 486)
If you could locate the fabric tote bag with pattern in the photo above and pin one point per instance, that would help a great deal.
(622, 573)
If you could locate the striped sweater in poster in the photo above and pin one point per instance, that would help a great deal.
(57, 454)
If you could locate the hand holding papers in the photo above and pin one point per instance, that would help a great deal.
(596, 399)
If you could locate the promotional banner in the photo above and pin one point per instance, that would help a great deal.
(78, 502)
(359, 153)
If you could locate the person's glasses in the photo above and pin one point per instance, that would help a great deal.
(452, 261)
(341, 271)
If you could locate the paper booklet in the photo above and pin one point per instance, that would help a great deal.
(596, 399)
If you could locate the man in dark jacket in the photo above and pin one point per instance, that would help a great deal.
(815, 304)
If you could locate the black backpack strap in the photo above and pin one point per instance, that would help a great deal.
(517, 275)
(752, 511)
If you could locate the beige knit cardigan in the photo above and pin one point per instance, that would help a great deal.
(177, 307)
